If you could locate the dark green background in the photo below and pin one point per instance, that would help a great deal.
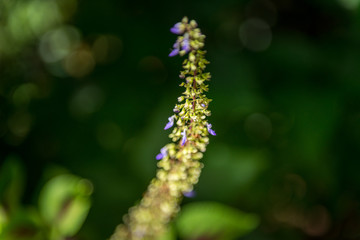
(287, 118)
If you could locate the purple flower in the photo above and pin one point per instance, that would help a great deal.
(162, 154)
(170, 123)
(176, 49)
(203, 105)
(174, 52)
(183, 140)
(190, 194)
(159, 156)
(212, 132)
(186, 45)
(178, 28)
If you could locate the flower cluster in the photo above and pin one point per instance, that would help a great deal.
(178, 162)
(190, 37)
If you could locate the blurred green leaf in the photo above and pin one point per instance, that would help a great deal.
(3, 219)
(215, 220)
(24, 224)
(11, 183)
(230, 171)
(169, 234)
(64, 203)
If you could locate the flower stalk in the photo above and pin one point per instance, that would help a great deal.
(179, 163)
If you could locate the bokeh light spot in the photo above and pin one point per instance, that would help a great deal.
(67, 8)
(86, 101)
(37, 11)
(317, 221)
(153, 69)
(57, 44)
(255, 34)
(84, 187)
(19, 124)
(109, 135)
(350, 4)
(295, 185)
(18, 24)
(107, 48)
(24, 93)
(262, 9)
(258, 127)
(79, 63)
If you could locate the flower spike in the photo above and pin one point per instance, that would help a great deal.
(179, 164)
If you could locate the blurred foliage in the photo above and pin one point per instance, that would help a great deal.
(210, 220)
(87, 85)
(63, 206)
(214, 221)
(64, 202)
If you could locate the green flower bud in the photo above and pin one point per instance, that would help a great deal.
(191, 57)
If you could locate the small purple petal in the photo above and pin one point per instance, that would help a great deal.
(190, 194)
(159, 156)
(203, 105)
(174, 52)
(170, 123)
(183, 140)
(212, 132)
(186, 45)
(163, 151)
(177, 29)
(162, 154)
(176, 44)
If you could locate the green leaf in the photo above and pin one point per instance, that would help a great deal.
(169, 234)
(11, 183)
(214, 220)
(23, 224)
(64, 203)
(3, 220)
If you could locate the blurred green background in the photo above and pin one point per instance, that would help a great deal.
(86, 88)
